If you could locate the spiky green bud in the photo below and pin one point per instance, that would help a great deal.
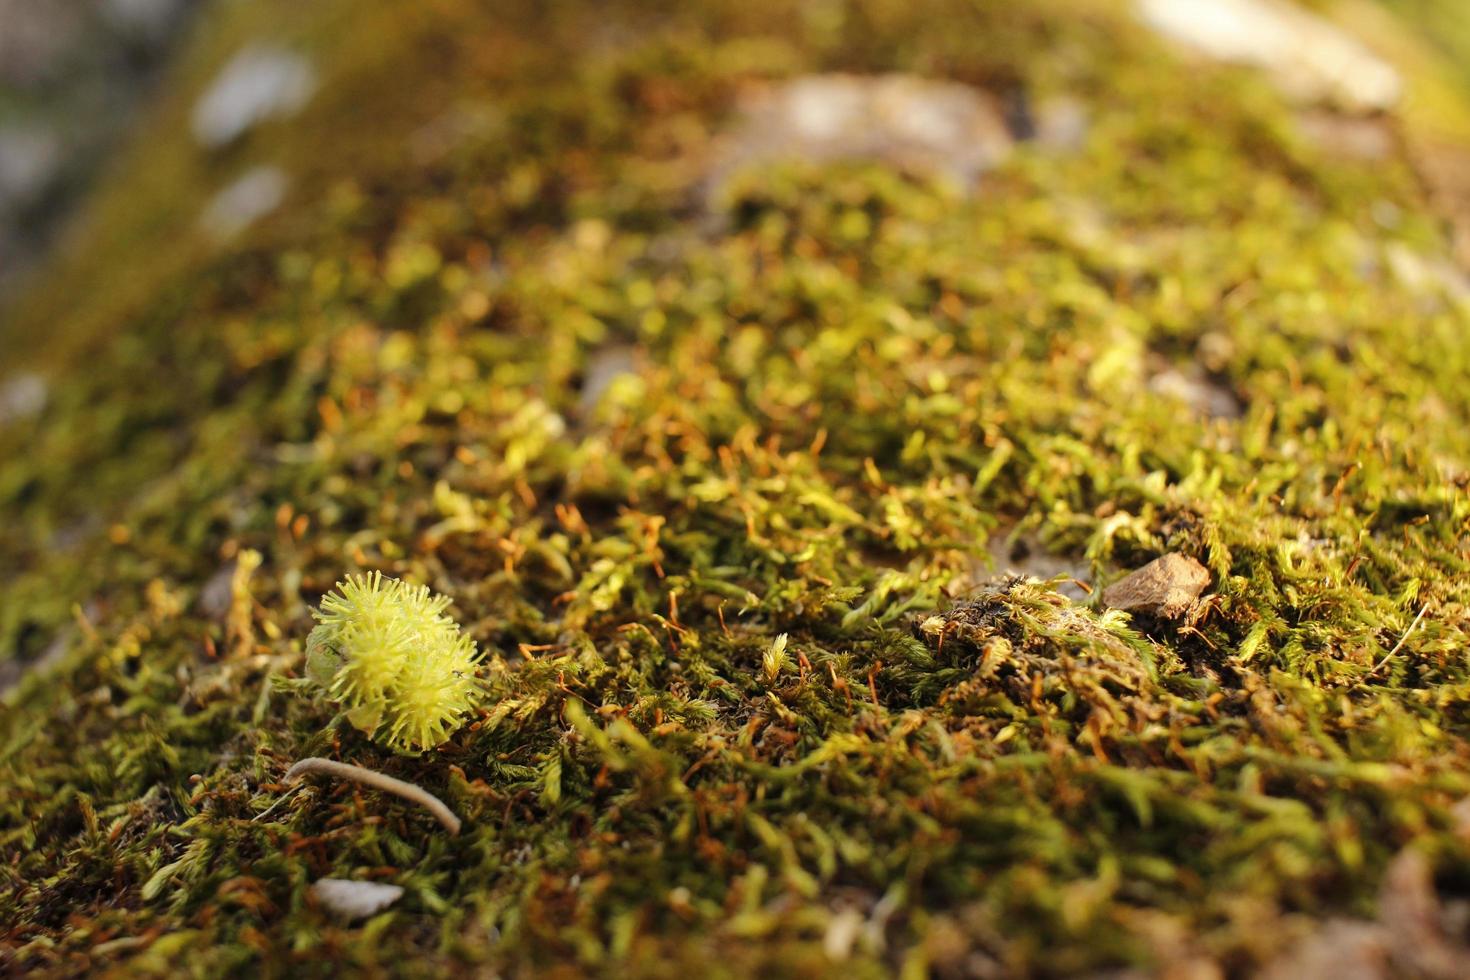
(387, 652)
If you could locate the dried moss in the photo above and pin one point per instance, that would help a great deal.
(838, 388)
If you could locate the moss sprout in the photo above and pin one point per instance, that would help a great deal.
(387, 652)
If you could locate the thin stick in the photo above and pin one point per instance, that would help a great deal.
(272, 808)
(1399, 645)
(377, 780)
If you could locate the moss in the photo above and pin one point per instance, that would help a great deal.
(757, 697)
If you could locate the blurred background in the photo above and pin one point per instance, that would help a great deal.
(73, 73)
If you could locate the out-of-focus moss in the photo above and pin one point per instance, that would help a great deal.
(814, 409)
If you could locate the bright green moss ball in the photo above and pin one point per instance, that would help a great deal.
(386, 651)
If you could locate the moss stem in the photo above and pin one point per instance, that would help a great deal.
(1400, 644)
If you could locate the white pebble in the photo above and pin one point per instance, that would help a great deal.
(22, 396)
(354, 899)
(243, 201)
(259, 83)
(1309, 58)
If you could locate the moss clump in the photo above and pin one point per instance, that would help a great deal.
(639, 439)
(386, 651)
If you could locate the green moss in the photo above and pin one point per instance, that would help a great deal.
(844, 383)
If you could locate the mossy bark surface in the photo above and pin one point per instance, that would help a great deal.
(727, 469)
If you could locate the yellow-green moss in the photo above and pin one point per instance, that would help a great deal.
(839, 388)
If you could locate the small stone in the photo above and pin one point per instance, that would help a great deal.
(842, 933)
(30, 160)
(603, 368)
(22, 396)
(1427, 275)
(1365, 139)
(259, 83)
(1345, 949)
(1308, 57)
(1191, 387)
(354, 899)
(1414, 916)
(1165, 587)
(903, 120)
(248, 198)
(218, 591)
(1062, 125)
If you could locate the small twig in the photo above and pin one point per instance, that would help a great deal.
(272, 808)
(377, 780)
(1399, 645)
